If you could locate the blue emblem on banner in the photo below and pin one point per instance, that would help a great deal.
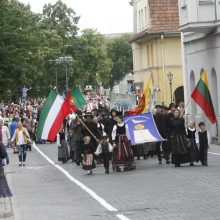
(142, 128)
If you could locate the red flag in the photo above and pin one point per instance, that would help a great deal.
(70, 101)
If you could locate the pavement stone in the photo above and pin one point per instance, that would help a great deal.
(152, 191)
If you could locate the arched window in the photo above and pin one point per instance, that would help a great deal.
(192, 87)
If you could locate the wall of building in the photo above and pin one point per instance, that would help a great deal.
(159, 56)
(203, 53)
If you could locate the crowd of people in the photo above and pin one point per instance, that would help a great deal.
(99, 135)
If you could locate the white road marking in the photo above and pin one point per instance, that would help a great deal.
(99, 199)
(214, 153)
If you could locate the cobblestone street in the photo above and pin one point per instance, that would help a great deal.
(151, 191)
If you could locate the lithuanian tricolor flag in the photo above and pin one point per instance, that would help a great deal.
(201, 95)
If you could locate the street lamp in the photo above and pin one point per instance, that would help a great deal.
(55, 62)
(65, 60)
(170, 78)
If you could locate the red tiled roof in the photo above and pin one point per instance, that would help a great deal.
(164, 18)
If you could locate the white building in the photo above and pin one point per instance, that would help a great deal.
(200, 27)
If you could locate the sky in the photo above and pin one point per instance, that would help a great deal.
(106, 16)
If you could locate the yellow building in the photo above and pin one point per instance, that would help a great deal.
(156, 46)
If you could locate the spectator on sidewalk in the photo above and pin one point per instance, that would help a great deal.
(5, 139)
(20, 138)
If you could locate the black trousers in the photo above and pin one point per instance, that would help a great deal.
(106, 158)
(204, 154)
(165, 148)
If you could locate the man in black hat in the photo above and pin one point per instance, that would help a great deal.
(92, 126)
(112, 122)
(161, 122)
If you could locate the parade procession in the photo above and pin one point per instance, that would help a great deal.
(109, 110)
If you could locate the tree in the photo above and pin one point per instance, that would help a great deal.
(91, 60)
(120, 52)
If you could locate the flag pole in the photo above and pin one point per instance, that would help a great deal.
(185, 106)
(87, 127)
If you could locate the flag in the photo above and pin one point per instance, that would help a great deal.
(78, 97)
(53, 112)
(142, 128)
(201, 95)
(70, 101)
(142, 105)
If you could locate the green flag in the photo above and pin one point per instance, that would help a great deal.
(78, 97)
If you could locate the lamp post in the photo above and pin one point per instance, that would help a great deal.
(65, 60)
(55, 62)
(170, 78)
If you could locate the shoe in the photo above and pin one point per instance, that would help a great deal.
(168, 162)
(20, 164)
(138, 158)
(89, 172)
(107, 171)
(7, 162)
(205, 164)
(192, 164)
(145, 157)
(23, 164)
(160, 162)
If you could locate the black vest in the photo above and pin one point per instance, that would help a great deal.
(203, 138)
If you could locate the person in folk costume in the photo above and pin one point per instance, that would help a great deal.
(204, 142)
(123, 158)
(88, 150)
(90, 126)
(178, 139)
(192, 135)
(76, 140)
(111, 123)
(63, 153)
(105, 150)
(160, 119)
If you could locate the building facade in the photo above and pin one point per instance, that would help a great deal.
(156, 47)
(200, 27)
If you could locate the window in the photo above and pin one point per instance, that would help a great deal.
(142, 19)
(139, 17)
(204, 2)
(183, 4)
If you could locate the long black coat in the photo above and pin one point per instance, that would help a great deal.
(179, 144)
(161, 121)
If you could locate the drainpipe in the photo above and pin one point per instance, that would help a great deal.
(163, 66)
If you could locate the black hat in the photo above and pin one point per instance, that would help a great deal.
(158, 106)
(119, 114)
(113, 110)
(172, 105)
(88, 114)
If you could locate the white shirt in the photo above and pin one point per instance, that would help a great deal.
(20, 140)
(5, 135)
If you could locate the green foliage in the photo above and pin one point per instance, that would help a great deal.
(28, 41)
(119, 51)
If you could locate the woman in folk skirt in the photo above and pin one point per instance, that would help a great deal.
(88, 152)
(123, 158)
(63, 153)
(192, 135)
(178, 140)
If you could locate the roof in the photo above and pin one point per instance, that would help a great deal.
(164, 17)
